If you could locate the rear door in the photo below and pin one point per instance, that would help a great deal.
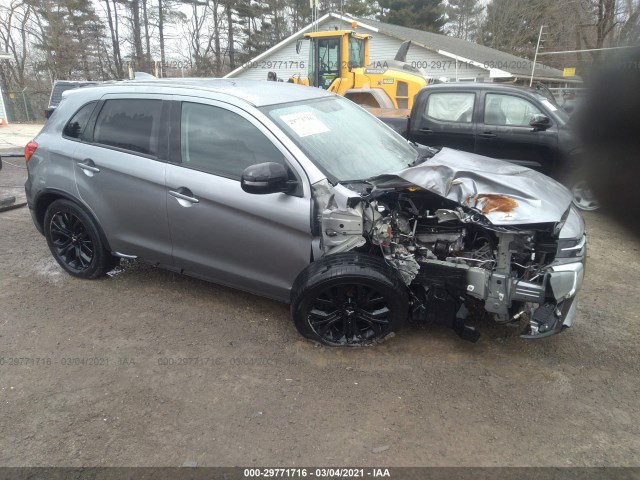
(120, 176)
(445, 119)
(504, 132)
(257, 243)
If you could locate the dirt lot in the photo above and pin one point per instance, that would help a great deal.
(252, 392)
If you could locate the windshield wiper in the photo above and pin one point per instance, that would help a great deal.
(354, 181)
(424, 154)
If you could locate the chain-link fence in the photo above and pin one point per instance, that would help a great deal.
(26, 106)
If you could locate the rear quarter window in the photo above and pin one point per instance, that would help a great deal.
(78, 122)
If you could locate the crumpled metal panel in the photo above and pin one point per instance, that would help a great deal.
(507, 194)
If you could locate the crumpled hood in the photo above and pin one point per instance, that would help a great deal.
(505, 193)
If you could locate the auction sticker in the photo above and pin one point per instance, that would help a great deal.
(304, 123)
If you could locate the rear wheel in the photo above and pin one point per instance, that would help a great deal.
(75, 242)
(348, 299)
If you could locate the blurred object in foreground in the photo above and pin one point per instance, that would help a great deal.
(608, 128)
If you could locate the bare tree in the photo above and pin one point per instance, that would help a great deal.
(112, 20)
(14, 38)
(463, 18)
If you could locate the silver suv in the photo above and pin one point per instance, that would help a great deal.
(299, 195)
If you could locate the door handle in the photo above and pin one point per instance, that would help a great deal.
(182, 196)
(425, 130)
(88, 166)
(487, 135)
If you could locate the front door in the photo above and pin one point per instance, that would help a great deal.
(324, 61)
(505, 133)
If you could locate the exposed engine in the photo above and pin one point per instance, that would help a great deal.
(452, 259)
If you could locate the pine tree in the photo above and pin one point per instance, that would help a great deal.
(71, 39)
(420, 14)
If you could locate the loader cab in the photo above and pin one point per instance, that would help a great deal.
(334, 54)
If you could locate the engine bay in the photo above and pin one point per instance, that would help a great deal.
(451, 257)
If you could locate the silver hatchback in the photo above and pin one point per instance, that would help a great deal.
(299, 195)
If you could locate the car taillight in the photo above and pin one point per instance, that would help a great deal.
(30, 149)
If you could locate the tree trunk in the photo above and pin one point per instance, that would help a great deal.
(137, 34)
(216, 40)
(114, 41)
(161, 33)
(146, 36)
(232, 60)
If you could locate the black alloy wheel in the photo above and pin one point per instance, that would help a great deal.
(75, 241)
(72, 244)
(348, 299)
(350, 314)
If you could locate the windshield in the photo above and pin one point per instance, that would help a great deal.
(342, 140)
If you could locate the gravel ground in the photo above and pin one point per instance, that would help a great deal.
(149, 368)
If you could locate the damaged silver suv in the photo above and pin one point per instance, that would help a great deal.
(299, 195)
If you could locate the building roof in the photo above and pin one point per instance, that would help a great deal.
(464, 50)
(499, 64)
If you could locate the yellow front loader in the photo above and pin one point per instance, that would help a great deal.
(339, 62)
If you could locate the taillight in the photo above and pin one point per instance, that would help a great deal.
(30, 149)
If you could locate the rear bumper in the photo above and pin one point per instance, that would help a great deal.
(28, 190)
(35, 221)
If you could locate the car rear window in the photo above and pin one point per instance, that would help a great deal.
(131, 124)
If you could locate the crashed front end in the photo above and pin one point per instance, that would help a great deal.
(467, 234)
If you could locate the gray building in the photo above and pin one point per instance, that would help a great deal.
(442, 57)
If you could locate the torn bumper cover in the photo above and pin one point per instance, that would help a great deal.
(563, 282)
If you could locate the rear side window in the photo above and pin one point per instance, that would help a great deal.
(221, 142)
(451, 107)
(79, 121)
(131, 124)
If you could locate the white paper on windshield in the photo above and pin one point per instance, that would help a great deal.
(304, 123)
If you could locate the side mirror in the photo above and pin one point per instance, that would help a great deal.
(265, 178)
(540, 122)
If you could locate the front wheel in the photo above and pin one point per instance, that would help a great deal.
(74, 240)
(348, 299)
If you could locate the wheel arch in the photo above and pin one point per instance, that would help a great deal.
(48, 196)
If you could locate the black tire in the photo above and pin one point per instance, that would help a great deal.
(348, 299)
(75, 242)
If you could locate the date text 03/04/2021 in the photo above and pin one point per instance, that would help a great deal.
(316, 472)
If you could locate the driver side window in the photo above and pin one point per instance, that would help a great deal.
(508, 110)
(221, 142)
